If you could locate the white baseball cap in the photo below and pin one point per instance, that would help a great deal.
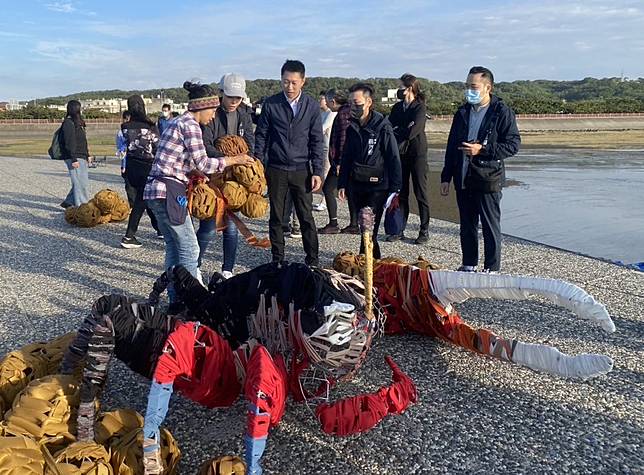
(233, 85)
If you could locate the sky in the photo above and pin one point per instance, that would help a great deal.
(61, 47)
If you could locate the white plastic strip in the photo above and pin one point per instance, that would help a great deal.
(550, 360)
(457, 287)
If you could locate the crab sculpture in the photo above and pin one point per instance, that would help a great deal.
(287, 329)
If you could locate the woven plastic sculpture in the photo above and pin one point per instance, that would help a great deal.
(88, 215)
(255, 206)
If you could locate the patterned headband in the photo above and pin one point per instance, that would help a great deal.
(200, 103)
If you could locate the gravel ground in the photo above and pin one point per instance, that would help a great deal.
(475, 414)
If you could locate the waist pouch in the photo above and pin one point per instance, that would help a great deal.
(363, 173)
(485, 176)
(176, 201)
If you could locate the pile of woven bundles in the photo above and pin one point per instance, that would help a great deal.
(33, 361)
(106, 206)
(243, 186)
(38, 430)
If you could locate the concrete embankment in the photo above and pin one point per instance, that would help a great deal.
(555, 123)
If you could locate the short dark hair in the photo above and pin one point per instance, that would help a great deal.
(323, 94)
(484, 72)
(166, 106)
(293, 66)
(366, 88)
(336, 95)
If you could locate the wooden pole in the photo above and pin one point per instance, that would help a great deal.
(366, 221)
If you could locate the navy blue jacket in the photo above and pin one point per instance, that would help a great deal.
(499, 127)
(290, 143)
(357, 148)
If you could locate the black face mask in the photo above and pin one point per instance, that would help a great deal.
(400, 94)
(357, 111)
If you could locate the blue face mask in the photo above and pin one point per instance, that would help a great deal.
(473, 96)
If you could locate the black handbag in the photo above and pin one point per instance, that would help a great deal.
(485, 176)
(364, 173)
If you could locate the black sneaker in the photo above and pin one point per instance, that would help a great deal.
(295, 233)
(329, 229)
(130, 243)
(466, 269)
(66, 205)
(350, 230)
(422, 238)
(395, 237)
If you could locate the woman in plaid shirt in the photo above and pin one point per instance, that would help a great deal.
(180, 152)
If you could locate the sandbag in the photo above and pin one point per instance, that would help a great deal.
(255, 206)
(121, 210)
(203, 201)
(235, 194)
(251, 176)
(45, 410)
(106, 200)
(20, 455)
(120, 432)
(82, 458)
(88, 214)
(231, 145)
(226, 465)
(70, 215)
(33, 361)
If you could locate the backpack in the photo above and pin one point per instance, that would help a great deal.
(55, 150)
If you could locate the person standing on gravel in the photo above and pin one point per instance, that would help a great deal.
(231, 118)
(408, 119)
(141, 137)
(370, 167)
(181, 151)
(290, 143)
(73, 142)
(484, 133)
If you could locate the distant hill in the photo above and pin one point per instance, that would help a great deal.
(588, 95)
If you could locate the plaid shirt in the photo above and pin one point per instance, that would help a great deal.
(339, 134)
(180, 151)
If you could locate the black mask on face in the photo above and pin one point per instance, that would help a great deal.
(400, 94)
(357, 111)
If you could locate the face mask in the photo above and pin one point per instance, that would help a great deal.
(357, 111)
(473, 96)
(400, 94)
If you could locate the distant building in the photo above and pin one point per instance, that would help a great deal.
(391, 98)
(117, 105)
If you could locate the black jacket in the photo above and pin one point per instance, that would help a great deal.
(290, 143)
(141, 139)
(409, 126)
(218, 126)
(499, 128)
(384, 150)
(73, 141)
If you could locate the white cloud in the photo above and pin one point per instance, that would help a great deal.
(61, 7)
(79, 55)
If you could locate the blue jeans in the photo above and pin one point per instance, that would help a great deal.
(207, 233)
(181, 247)
(79, 193)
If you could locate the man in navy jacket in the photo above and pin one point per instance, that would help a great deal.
(484, 133)
(290, 143)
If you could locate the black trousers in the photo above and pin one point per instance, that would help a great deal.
(297, 184)
(136, 175)
(330, 190)
(376, 200)
(472, 206)
(418, 169)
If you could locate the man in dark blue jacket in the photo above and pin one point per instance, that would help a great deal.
(290, 143)
(370, 169)
(484, 133)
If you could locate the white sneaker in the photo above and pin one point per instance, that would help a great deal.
(320, 207)
(466, 269)
(226, 274)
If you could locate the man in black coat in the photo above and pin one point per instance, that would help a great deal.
(370, 167)
(290, 143)
(484, 133)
